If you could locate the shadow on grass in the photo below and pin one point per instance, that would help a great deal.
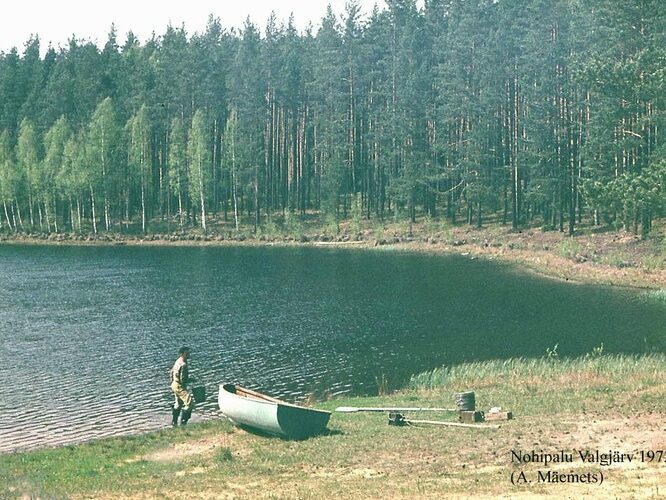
(260, 433)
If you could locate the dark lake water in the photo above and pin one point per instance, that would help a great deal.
(87, 335)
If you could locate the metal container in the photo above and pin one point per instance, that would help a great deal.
(465, 401)
(199, 394)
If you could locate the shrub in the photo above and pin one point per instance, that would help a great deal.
(569, 248)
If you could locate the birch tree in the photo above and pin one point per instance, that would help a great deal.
(53, 165)
(103, 149)
(198, 168)
(139, 137)
(177, 165)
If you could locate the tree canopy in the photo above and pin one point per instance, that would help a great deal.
(534, 111)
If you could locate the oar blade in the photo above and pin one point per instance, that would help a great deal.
(346, 409)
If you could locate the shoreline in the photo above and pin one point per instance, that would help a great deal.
(612, 259)
(358, 457)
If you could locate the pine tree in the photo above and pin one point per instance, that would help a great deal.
(230, 158)
(248, 98)
(330, 110)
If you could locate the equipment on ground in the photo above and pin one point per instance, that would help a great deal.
(399, 420)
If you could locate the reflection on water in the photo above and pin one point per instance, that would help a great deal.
(87, 335)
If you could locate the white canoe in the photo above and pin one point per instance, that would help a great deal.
(258, 411)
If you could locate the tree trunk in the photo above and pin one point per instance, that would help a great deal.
(92, 207)
(233, 179)
(257, 213)
(479, 217)
(203, 211)
(515, 172)
(143, 206)
(47, 216)
(107, 218)
(202, 196)
(180, 210)
(78, 212)
(215, 155)
(55, 214)
(127, 203)
(30, 209)
(9, 222)
(71, 213)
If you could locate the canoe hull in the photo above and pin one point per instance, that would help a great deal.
(258, 411)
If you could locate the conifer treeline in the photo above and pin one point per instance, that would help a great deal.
(535, 110)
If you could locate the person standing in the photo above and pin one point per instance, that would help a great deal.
(179, 380)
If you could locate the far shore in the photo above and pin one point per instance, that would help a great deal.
(615, 258)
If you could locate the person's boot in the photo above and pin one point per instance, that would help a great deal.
(185, 417)
(175, 412)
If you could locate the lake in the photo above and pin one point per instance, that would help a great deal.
(88, 334)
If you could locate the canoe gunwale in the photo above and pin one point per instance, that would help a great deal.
(257, 397)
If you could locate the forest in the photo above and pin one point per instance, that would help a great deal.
(548, 112)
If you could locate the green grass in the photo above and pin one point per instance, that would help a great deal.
(269, 230)
(530, 385)
(569, 248)
(440, 229)
(378, 230)
(656, 295)
(653, 262)
(616, 366)
(619, 259)
(363, 457)
(100, 465)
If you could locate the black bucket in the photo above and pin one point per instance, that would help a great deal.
(199, 394)
(465, 401)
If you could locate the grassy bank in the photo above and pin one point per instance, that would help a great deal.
(595, 255)
(600, 402)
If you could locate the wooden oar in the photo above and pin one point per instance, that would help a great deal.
(451, 424)
(353, 409)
